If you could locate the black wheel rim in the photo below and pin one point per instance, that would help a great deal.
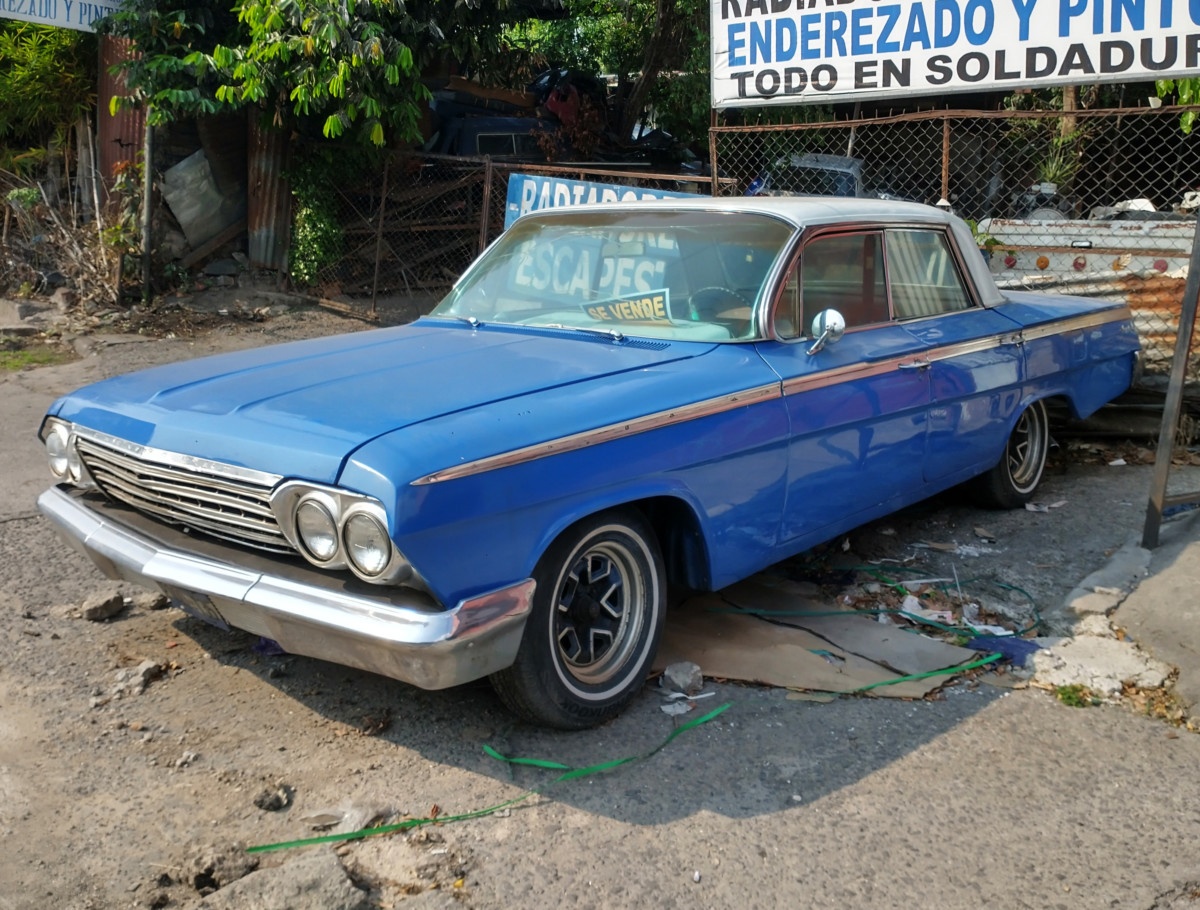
(599, 612)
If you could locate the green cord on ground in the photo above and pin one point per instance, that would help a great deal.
(569, 773)
(945, 671)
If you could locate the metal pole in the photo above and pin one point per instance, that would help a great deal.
(1174, 402)
(853, 128)
(383, 195)
(712, 151)
(485, 215)
(147, 200)
(946, 160)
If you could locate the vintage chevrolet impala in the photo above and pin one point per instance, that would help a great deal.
(611, 400)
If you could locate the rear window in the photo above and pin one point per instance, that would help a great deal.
(507, 144)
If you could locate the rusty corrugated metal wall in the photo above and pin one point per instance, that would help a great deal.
(223, 137)
(268, 198)
(119, 138)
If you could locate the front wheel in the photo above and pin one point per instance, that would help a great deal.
(597, 617)
(1011, 483)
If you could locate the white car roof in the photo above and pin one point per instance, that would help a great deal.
(807, 211)
(799, 210)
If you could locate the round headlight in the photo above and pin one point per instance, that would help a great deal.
(368, 546)
(317, 530)
(58, 445)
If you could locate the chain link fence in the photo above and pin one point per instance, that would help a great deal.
(412, 229)
(1095, 203)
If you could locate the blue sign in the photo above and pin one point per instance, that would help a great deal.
(528, 193)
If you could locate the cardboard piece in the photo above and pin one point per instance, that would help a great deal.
(813, 653)
(898, 647)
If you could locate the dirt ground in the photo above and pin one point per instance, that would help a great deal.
(140, 754)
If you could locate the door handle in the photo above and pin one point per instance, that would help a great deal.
(914, 364)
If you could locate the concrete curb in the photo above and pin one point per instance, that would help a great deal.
(1163, 612)
(1101, 592)
(1148, 593)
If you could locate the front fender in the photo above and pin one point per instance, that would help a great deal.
(478, 532)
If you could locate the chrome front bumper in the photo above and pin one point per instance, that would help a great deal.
(395, 631)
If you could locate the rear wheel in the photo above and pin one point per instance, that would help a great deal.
(1012, 482)
(597, 617)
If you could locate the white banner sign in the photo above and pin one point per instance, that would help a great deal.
(64, 13)
(819, 51)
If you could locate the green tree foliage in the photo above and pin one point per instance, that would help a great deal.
(596, 36)
(352, 66)
(317, 240)
(660, 52)
(343, 63)
(161, 75)
(47, 81)
(637, 41)
(1185, 91)
(681, 96)
(459, 33)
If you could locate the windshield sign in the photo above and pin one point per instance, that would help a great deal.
(687, 275)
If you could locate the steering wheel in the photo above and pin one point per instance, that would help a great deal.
(708, 302)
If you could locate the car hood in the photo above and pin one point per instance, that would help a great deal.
(301, 409)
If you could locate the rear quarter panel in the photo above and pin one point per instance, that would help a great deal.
(1084, 350)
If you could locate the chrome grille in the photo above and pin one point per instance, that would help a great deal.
(194, 494)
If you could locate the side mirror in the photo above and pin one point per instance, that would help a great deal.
(828, 327)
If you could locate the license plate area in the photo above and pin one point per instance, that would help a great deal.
(196, 604)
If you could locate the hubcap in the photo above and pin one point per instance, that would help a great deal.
(1027, 449)
(598, 612)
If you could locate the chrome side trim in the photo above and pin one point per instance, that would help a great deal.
(796, 385)
(605, 434)
(397, 632)
(1075, 323)
(964, 348)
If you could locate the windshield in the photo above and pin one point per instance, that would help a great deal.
(680, 275)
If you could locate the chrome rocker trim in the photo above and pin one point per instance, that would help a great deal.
(405, 636)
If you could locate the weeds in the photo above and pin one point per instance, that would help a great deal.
(45, 243)
(1162, 704)
(26, 358)
(1076, 695)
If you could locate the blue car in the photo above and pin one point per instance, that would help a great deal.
(612, 400)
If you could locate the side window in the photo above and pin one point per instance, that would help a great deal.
(844, 272)
(923, 276)
(787, 306)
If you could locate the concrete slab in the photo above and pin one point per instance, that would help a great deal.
(13, 312)
(1163, 613)
(1103, 665)
(21, 317)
